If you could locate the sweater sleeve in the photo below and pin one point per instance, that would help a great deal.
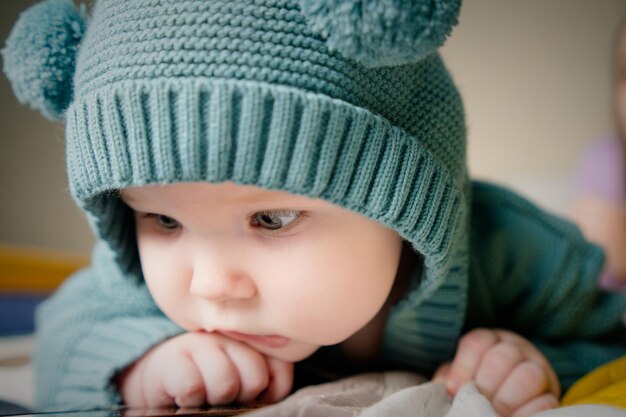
(533, 273)
(95, 325)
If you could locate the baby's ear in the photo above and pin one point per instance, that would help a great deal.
(379, 33)
(40, 55)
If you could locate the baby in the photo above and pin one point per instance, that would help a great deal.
(276, 182)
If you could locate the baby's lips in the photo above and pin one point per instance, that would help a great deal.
(272, 341)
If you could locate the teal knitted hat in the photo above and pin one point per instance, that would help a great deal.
(347, 101)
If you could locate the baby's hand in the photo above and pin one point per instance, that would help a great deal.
(199, 368)
(509, 370)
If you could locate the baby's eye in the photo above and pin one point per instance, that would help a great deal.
(166, 222)
(274, 220)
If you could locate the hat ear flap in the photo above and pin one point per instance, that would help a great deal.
(379, 33)
(40, 55)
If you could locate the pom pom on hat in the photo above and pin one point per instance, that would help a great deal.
(382, 32)
(40, 55)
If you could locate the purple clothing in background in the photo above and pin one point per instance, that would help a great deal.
(609, 282)
(601, 171)
(601, 174)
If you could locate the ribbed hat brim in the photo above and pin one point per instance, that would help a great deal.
(168, 130)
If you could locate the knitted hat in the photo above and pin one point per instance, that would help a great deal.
(347, 101)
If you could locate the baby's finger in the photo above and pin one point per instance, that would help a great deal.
(469, 353)
(281, 380)
(130, 382)
(532, 353)
(525, 382)
(496, 364)
(183, 382)
(543, 402)
(219, 375)
(442, 372)
(251, 368)
(153, 391)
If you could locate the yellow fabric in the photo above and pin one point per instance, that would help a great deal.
(33, 269)
(605, 385)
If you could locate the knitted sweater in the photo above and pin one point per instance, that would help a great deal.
(530, 272)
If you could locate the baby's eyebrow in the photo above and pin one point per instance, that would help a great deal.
(254, 198)
(279, 199)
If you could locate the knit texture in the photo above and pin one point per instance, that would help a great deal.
(245, 91)
(385, 32)
(40, 55)
(534, 273)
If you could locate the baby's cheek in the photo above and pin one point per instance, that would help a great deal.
(171, 296)
(339, 305)
(323, 318)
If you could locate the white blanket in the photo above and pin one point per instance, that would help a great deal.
(400, 394)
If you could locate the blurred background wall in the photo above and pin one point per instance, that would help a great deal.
(537, 81)
(535, 76)
(35, 206)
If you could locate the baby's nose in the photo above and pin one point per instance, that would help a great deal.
(221, 285)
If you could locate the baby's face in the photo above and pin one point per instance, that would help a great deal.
(283, 273)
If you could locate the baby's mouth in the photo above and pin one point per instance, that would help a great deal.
(272, 341)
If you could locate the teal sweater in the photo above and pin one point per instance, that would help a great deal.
(530, 272)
